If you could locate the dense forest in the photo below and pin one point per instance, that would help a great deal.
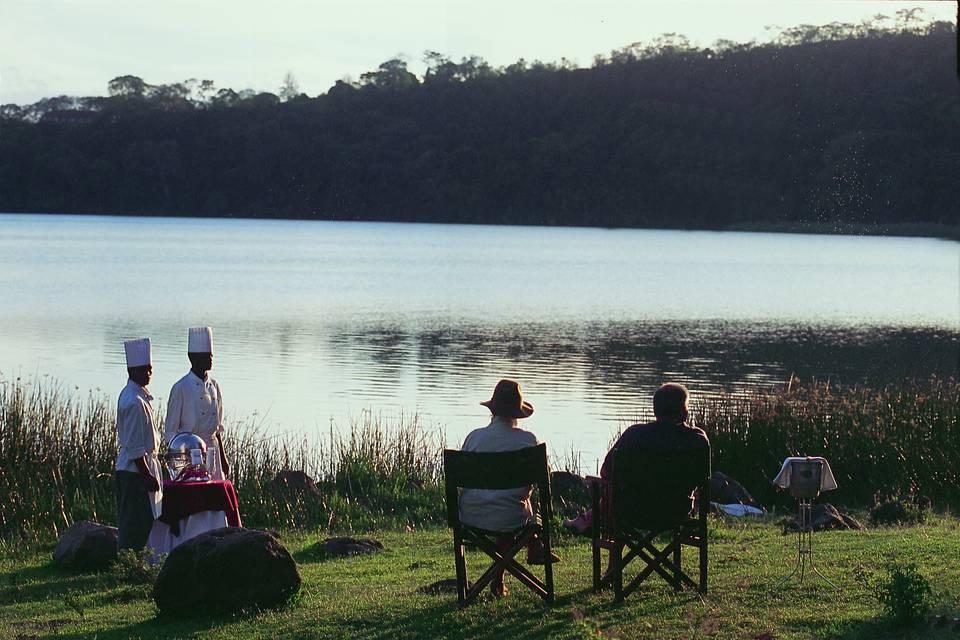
(853, 124)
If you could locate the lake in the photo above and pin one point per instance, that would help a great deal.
(320, 321)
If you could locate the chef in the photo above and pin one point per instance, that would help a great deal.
(137, 476)
(195, 403)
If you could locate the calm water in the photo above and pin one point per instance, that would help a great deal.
(321, 320)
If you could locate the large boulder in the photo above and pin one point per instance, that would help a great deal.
(823, 517)
(226, 570)
(571, 493)
(296, 483)
(726, 490)
(86, 545)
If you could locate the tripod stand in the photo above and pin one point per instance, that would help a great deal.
(805, 545)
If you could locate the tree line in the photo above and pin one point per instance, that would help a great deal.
(824, 124)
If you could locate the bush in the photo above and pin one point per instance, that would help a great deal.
(896, 511)
(904, 593)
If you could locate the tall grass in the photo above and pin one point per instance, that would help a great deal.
(899, 439)
(58, 449)
(58, 452)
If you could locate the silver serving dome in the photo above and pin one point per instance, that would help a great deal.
(187, 457)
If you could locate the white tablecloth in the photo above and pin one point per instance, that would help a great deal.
(162, 540)
(827, 481)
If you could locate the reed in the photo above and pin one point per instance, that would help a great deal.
(58, 448)
(903, 438)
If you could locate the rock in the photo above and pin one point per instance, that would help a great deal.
(726, 490)
(86, 545)
(823, 517)
(226, 570)
(571, 493)
(343, 547)
(448, 585)
(297, 483)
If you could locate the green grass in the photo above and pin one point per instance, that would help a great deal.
(376, 596)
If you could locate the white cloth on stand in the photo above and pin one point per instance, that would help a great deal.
(139, 437)
(196, 405)
(827, 481)
(162, 540)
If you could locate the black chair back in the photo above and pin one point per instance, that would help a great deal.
(651, 490)
(500, 470)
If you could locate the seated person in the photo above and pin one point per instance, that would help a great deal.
(502, 510)
(669, 432)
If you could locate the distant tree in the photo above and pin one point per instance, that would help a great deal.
(42, 107)
(225, 98)
(289, 89)
(12, 111)
(910, 20)
(128, 87)
(170, 96)
(204, 91)
(391, 74)
(342, 87)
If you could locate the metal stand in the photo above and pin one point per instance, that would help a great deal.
(805, 545)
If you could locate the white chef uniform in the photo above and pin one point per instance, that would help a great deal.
(139, 437)
(196, 405)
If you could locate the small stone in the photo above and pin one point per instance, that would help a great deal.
(447, 585)
(344, 547)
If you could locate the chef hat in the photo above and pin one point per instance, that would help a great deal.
(200, 340)
(137, 352)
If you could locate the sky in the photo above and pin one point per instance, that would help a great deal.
(74, 47)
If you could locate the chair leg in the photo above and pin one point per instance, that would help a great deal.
(616, 554)
(703, 562)
(596, 563)
(548, 567)
(461, 564)
(677, 585)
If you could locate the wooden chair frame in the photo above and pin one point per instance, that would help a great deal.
(615, 533)
(502, 470)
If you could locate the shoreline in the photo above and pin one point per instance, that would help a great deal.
(928, 230)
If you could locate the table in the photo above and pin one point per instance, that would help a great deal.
(192, 508)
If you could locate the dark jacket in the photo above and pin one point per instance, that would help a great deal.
(656, 437)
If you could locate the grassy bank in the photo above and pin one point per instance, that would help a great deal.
(57, 452)
(377, 596)
(901, 229)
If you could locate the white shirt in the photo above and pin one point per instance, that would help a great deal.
(497, 510)
(196, 405)
(138, 435)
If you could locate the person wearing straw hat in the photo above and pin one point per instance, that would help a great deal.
(196, 404)
(503, 509)
(137, 476)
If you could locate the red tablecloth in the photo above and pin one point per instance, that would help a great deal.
(180, 499)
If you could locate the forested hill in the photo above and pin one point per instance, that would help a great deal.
(818, 127)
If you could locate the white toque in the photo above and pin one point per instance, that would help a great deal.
(200, 340)
(137, 352)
